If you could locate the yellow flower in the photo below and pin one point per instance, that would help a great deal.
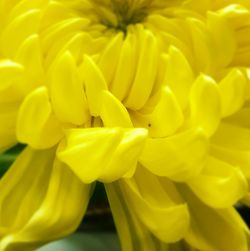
(150, 97)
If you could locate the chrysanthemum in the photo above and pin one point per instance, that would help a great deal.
(150, 97)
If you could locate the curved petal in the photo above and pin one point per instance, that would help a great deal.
(209, 225)
(178, 157)
(104, 154)
(232, 92)
(205, 105)
(95, 83)
(8, 116)
(122, 81)
(36, 123)
(179, 75)
(113, 112)
(132, 233)
(221, 31)
(151, 201)
(219, 184)
(9, 71)
(146, 69)
(70, 104)
(14, 34)
(110, 57)
(39, 201)
(158, 121)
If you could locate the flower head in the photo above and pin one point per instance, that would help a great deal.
(150, 97)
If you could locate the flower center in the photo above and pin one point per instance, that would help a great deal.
(119, 14)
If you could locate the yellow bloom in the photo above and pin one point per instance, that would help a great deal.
(150, 97)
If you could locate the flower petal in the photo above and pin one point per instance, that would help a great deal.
(158, 121)
(205, 104)
(179, 75)
(8, 115)
(113, 112)
(232, 92)
(36, 123)
(178, 157)
(9, 71)
(15, 33)
(151, 201)
(219, 185)
(146, 71)
(122, 81)
(104, 154)
(109, 58)
(94, 84)
(65, 99)
(209, 225)
(223, 38)
(39, 204)
(132, 233)
(29, 55)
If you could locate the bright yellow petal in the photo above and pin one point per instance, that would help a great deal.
(113, 112)
(122, 81)
(214, 229)
(15, 33)
(205, 104)
(178, 157)
(36, 124)
(167, 219)
(220, 184)
(94, 84)
(110, 56)
(29, 55)
(145, 73)
(39, 201)
(132, 233)
(9, 71)
(232, 92)
(158, 121)
(223, 38)
(8, 116)
(179, 76)
(70, 104)
(104, 154)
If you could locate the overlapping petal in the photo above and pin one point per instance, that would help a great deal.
(149, 97)
(51, 201)
(105, 154)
